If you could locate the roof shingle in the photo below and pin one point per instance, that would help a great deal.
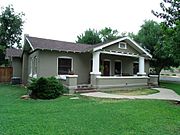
(49, 44)
(13, 52)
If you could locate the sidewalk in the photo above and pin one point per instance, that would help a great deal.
(164, 94)
(170, 78)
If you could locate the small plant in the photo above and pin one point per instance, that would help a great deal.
(173, 74)
(45, 88)
(65, 90)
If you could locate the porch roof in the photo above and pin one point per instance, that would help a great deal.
(127, 39)
(119, 53)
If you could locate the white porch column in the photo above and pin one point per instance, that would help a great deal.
(141, 66)
(95, 64)
(95, 68)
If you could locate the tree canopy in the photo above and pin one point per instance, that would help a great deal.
(11, 26)
(108, 34)
(92, 36)
(170, 12)
(151, 37)
(171, 25)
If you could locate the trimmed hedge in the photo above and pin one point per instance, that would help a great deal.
(45, 88)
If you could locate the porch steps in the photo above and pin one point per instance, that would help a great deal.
(84, 89)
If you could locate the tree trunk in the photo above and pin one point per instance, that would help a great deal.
(158, 71)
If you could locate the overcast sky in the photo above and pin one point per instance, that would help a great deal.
(65, 19)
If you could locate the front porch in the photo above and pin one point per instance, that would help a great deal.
(120, 63)
(116, 69)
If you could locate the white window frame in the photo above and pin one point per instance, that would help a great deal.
(64, 57)
(121, 66)
(35, 66)
(124, 43)
(31, 67)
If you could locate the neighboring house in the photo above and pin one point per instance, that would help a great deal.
(118, 63)
(14, 56)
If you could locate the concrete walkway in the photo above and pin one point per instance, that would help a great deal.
(164, 94)
(170, 78)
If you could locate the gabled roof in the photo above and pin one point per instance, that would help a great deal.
(13, 52)
(130, 41)
(49, 44)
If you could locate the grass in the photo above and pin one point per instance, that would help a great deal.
(134, 92)
(171, 85)
(86, 116)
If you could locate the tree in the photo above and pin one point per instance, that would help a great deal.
(108, 34)
(90, 36)
(11, 26)
(171, 25)
(170, 14)
(151, 37)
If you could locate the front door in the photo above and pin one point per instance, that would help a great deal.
(106, 71)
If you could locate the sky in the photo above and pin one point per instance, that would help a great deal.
(65, 19)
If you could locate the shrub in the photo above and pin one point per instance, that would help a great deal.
(45, 88)
(65, 90)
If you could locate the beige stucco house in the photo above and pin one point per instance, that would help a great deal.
(118, 63)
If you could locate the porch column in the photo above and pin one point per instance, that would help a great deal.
(95, 68)
(95, 65)
(141, 66)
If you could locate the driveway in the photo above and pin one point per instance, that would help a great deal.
(164, 94)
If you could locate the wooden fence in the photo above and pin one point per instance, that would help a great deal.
(6, 74)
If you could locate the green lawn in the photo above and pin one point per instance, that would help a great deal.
(171, 85)
(86, 116)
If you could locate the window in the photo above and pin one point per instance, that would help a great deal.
(122, 45)
(35, 65)
(64, 66)
(31, 66)
(117, 67)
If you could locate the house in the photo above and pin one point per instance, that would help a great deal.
(14, 56)
(118, 63)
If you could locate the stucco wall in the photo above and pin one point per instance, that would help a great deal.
(147, 66)
(107, 82)
(25, 67)
(17, 70)
(81, 64)
(115, 47)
